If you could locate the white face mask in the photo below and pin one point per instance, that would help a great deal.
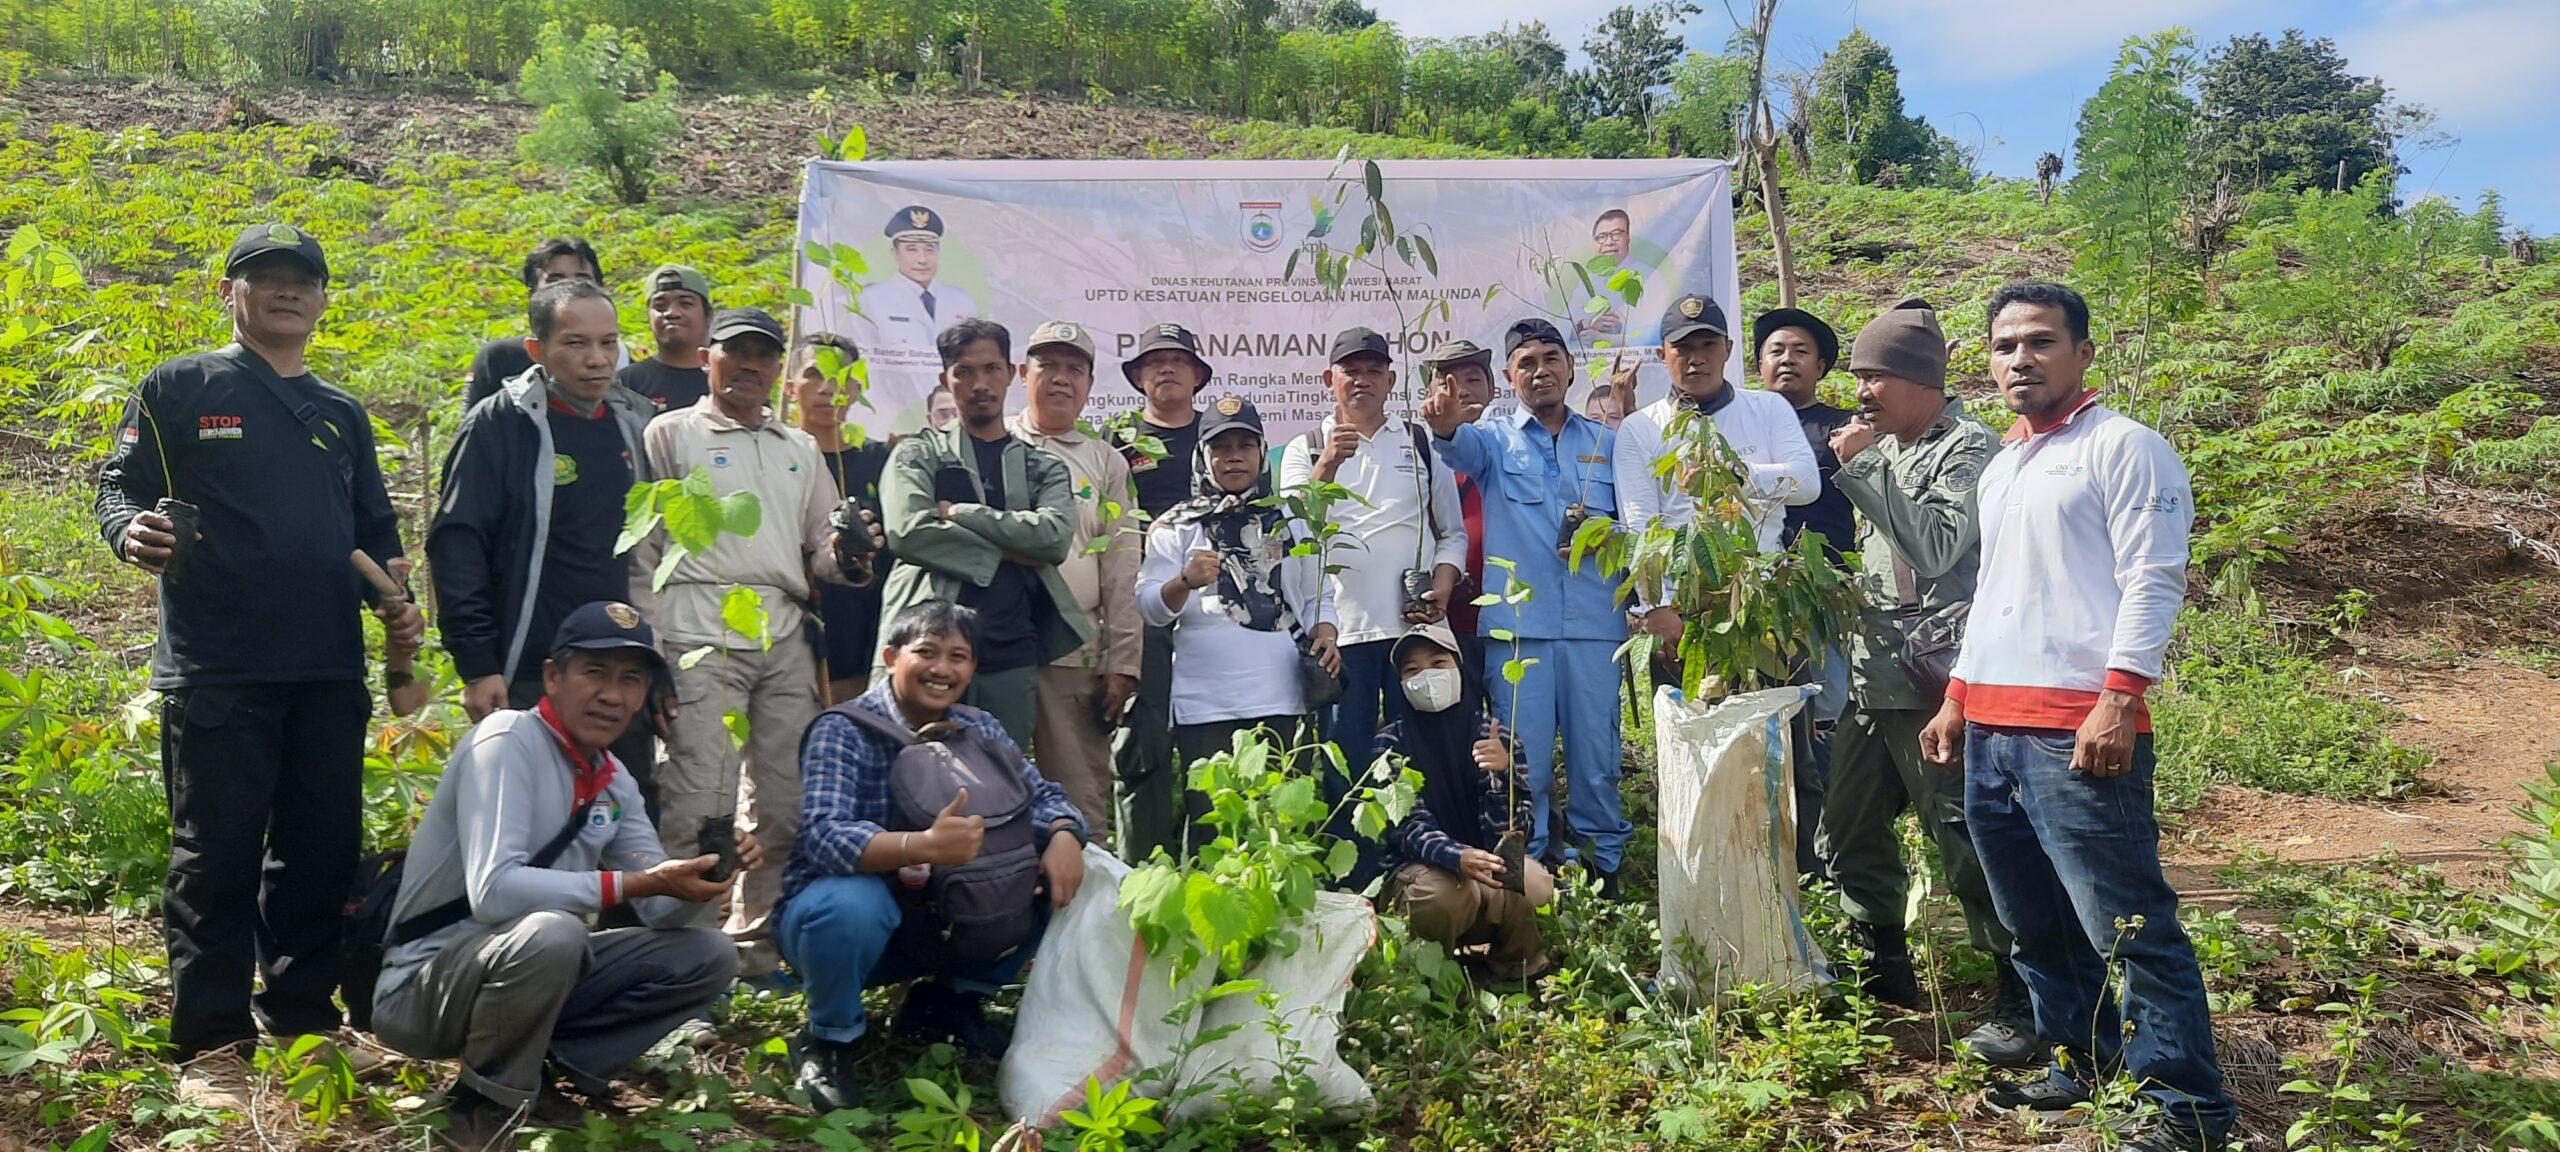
(1432, 689)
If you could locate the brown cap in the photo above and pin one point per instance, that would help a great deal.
(1905, 341)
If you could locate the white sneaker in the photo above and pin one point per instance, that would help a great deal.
(217, 1081)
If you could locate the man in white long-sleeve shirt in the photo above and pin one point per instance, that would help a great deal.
(1405, 518)
(533, 827)
(1778, 467)
(2084, 516)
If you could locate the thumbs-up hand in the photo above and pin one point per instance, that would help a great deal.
(954, 838)
(1492, 754)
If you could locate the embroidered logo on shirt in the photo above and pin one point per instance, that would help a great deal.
(564, 468)
(2169, 500)
(719, 457)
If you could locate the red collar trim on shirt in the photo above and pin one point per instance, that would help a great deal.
(565, 408)
(2027, 426)
(589, 778)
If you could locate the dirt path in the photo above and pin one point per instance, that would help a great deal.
(2491, 726)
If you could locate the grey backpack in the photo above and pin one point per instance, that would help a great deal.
(968, 916)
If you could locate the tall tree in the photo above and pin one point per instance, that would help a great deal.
(2133, 175)
(1343, 16)
(2286, 114)
(1631, 52)
(1859, 129)
(1534, 51)
(1709, 97)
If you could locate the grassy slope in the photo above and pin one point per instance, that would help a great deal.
(425, 228)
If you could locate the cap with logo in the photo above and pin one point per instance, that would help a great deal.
(1449, 354)
(259, 239)
(608, 626)
(1421, 633)
(732, 323)
(1060, 332)
(1905, 341)
(913, 222)
(1158, 339)
(1352, 342)
(1692, 314)
(1826, 343)
(679, 278)
(1529, 332)
(1229, 413)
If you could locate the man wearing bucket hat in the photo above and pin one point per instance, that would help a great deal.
(245, 483)
(1909, 462)
(1158, 439)
(490, 961)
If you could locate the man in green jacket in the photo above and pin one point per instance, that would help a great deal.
(979, 517)
(1908, 463)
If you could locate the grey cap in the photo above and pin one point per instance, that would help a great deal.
(1905, 341)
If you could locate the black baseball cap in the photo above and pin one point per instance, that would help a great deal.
(1826, 343)
(605, 626)
(1530, 331)
(1693, 313)
(1157, 339)
(259, 239)
(1352, 342)
(735, 322)
(1229, 413)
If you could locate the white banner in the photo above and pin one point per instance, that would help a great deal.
(1120, 245)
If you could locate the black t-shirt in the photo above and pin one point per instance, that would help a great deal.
(671, 388)
(1830, 513)
(267, 596)
(590, 475)
(1011, 605)
(1164, 483)
(852, 615)
(498, 361)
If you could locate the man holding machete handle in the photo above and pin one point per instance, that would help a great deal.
(243, 481)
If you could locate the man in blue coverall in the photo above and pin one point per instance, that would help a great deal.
(1538, 466)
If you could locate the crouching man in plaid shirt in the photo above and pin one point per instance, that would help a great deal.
(842, 895)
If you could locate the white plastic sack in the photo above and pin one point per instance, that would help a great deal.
(1096, 1002)
(1731, 912)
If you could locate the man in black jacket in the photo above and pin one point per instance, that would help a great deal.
(532, 502)
(552, 261)
(261, 656)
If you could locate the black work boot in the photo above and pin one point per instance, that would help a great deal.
(824, 1070)
(2006, 1038)
(1611, 889)
(1888, 976)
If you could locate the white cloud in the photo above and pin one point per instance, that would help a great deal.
(1969, 43)
(2479, 67)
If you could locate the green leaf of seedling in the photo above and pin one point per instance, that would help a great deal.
(735, 720)
(929, 1093)
(1431, 261)
(1368, 819)
(1516, 668)
(800, 297)
(741, 513)
(742, 609)
(849, 260)
(856, 144)
(1486, 600)
(819, 254)
(1373, 178)
(1289, 268)
(676, 554)
(1341, 859)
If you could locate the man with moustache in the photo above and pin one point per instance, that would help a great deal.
(1909, 463)
(1159, 440)
(732, 435)
(498, 361)
(673, 377)
(260, 662)
(1084, 694)
(1541, 469)
(979, 517)
(1402, 517)
(2084, 516)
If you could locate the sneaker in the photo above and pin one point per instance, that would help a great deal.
(217, 1081)
(2046, 1093)
(934, 1013)
(1887, 975)
(475, 1123)
(2166, 1135)
(695, 1032)
(2007, 1037)
(824, 1070)
(364, 1057)
(553, 1108)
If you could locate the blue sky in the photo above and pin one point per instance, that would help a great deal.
(2010, 75)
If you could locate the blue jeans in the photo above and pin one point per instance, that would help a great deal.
(1372, 697)
(1573, 686)
(835, 934)
(2069, 856)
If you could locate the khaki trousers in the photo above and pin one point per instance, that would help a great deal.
(1071, 747)
(1460, 913)
(705, 774)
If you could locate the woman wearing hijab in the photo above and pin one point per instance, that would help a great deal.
(1219, 572)
(1445, 867)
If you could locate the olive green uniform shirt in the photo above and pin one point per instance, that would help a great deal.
(1915, 505)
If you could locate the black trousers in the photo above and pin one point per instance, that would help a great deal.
(266, 820)
(1196, 742)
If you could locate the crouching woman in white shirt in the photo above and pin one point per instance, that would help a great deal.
(1220, 573)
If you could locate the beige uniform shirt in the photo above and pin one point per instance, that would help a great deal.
(783, 467)
(1102, 565)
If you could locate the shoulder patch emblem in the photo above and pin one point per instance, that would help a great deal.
(1963, 475)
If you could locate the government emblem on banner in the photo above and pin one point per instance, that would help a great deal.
(1261, 224)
